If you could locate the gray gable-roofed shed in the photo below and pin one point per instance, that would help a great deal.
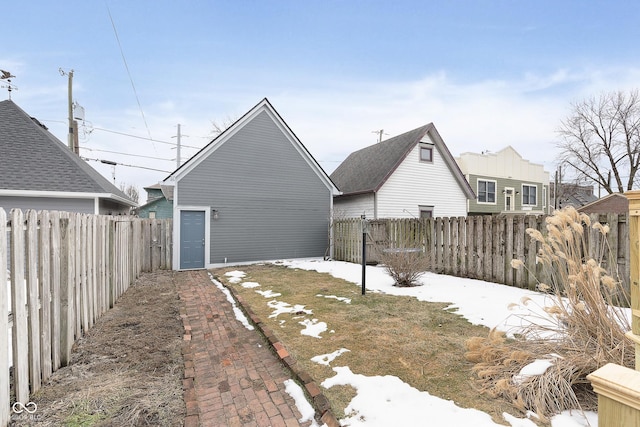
(259, 193)
(366, 170)
(40, 172)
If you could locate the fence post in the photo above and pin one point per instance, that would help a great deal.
(4, 323)
(634, 249)
(32, 300)
(19, 308)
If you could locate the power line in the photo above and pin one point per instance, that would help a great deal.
(127, 154)
(135, 92)
(109, 162)
(146, 139)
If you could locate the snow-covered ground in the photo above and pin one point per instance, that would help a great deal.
(386, 400)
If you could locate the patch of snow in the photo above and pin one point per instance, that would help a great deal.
(304, 407)
(386, 401)
(326, 359)
(238, 313)
(269, 293)
(343, 299)
(280, 307)
(533, 369)
(235, 276)
(313, 328)
(250, 285)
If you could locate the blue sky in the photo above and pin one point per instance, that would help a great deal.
(487, 73)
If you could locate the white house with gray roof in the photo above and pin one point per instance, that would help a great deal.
(408, 176)
(38, 171)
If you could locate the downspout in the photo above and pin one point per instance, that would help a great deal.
(375, 205)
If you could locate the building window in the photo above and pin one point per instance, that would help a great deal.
(426, 211)
(426, 153)
(152, 214)
(486, 191)
(529, 195)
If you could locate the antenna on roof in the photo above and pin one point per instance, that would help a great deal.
(6, 75)
(380, 133)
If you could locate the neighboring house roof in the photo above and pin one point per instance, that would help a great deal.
(35, 162)
(612, 203)
(573, 195)
(261, 106)
(366, 170)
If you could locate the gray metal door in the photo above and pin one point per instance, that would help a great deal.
(191, 239)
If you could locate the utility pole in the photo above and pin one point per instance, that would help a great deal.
(71, 141)
(178, 148)
(380, 133)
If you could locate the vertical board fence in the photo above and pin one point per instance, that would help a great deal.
(479, 247)
(63, 271)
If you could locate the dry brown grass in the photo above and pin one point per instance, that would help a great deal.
(419, 342)
(587, 329)
(125, 371)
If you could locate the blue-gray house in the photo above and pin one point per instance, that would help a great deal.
(159, 202)
(254, 193)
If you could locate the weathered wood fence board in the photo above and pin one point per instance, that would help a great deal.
(479, 247)
(65, 271)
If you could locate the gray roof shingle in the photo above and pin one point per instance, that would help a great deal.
(366, 170)
(33, 159)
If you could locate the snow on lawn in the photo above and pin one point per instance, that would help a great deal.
(343, 299)
(269, 294)
(386, 400)
(313, 328)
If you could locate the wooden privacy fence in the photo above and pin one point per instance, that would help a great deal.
(64, 270)
(478, 247)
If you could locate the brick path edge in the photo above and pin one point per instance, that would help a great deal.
(309, 386)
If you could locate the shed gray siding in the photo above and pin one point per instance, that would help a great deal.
(47, 203)
(271, 203)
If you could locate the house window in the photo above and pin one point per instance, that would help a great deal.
(529, 195)
(486, 191)
(426, 211)
(152, 214)
(426, 153)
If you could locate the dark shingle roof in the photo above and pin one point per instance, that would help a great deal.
(32, 159)
(366, 170)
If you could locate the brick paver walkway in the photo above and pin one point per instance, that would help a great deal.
(232, 378)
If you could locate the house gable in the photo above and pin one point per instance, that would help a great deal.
(401, 179)
(264, 195)
(367, 169)
(416, 184)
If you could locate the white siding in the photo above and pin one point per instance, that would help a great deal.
(415, 183)
(354, 206)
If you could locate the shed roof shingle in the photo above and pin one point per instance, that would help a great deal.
(35, 160)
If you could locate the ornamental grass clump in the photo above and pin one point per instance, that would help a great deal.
(582, 327)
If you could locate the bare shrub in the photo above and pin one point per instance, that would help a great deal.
(584, 329)
(404, 265)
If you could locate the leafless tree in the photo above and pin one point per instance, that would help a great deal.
(131, 191)
(221, 126)
(600, 140)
